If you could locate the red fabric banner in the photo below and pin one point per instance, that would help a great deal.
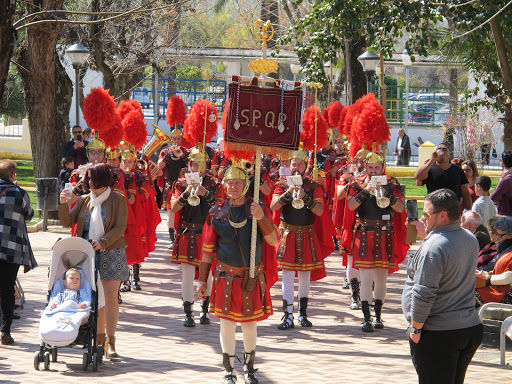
(259, 111)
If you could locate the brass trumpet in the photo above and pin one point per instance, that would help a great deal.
(382, 201)
(248, 166)
(297, 202)
(193, 199)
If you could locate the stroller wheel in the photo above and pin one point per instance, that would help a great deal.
(54, 354)
(36, 360)
(46, 360)
(85, 361)
(95, 362)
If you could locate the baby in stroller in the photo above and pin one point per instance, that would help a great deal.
(72, 282)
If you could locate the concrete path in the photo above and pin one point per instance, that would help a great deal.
(155, 347)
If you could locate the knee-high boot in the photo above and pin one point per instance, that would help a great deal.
(367, 325)
(377, 322)
(287, 317)
(136, 278)
(354, 285)
(303, 316)
(249, 368)
(229, 377)
(189, 317)
(205, 307)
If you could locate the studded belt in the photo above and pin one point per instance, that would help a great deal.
(376, 226)
(299, 231)
(190, 230)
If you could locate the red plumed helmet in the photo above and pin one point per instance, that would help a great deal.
(335, 109)
(325, 114)
(176, 111)
(100, 111)
(135, 130)
(308, 129)
(126, 106)
(341, 121)
(370, 125)
(350, 117)
(193, 131)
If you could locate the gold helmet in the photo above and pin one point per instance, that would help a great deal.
(197, 154)
(113, 153)
(300, 154)
(374, 156)
(362, 153)
(237, 171)
(96, 142)
(129, 155)
(176, 133)
(284, 157)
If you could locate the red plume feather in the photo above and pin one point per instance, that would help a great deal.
(184, 141)
(350, 117)
(370, 125)
(308, 129)
(341, 121)
(126, 106)
(335, 109)
(176, 111)
(135, 130)
(193, 132)
(99, 110)
(325, 114)
(113, 137)
(225, 114)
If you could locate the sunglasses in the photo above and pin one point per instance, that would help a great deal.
(77, 132)
(427, 215)
(96, 152)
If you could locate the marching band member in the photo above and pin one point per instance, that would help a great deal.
(191, 204)
(237, 298)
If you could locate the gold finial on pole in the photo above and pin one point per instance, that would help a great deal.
(263, 32)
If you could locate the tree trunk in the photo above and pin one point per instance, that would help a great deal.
(356, 79)
(507, 130)
(48, 92)
(7, 38)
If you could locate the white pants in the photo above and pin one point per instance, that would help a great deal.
(187, 282)
(368, 277)
(287, 286)
(228, 341)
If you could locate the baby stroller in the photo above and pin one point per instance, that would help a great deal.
(70, 328)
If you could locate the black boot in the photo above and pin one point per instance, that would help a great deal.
(356, 300)
(136, 279)
(303, 316)
(377, 322)
(287, 317)
(249, 368)
(205, 306)
(229, 377)
(189, 319)
(367, 325)
(172, 236)
(336, 243)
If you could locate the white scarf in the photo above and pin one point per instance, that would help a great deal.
(96, 229)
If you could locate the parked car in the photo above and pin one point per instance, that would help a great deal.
(425, 112)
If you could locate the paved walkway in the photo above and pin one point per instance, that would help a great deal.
(155, 346)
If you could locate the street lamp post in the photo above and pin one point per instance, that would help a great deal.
(329, 72)
(77, 54)
(369, 60)
(406, 60)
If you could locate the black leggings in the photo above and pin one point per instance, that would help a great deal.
(8, 273)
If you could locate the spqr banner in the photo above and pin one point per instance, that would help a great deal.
(255, 114)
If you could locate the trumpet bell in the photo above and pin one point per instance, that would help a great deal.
(298, 203)
(194, 200)
(178, 152)
(383, 202)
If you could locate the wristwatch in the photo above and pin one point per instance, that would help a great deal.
(414, 331)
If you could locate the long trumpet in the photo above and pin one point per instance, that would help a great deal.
(193, 199)
(382, 201)
(297, 202)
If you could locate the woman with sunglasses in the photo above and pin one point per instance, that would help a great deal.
(495, 286)
(101, 217)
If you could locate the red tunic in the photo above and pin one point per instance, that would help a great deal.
(261, 307)
(323, 231)
(352, 244)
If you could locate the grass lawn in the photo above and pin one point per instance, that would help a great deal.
(25, 172)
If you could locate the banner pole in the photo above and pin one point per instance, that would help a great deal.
(257, 175)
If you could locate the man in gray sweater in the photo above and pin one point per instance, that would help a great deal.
(438, 300)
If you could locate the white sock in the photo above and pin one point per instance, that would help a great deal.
(250, 333)
(187, 282)
(288, 278)
(227, 339)
(304, 283)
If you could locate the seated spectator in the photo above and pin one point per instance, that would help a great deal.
(494, 287)
(75, 147)
(484, 205)
(473, 223)
(502, 196)
(86, 134)
(68, 165)
(486, 257)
